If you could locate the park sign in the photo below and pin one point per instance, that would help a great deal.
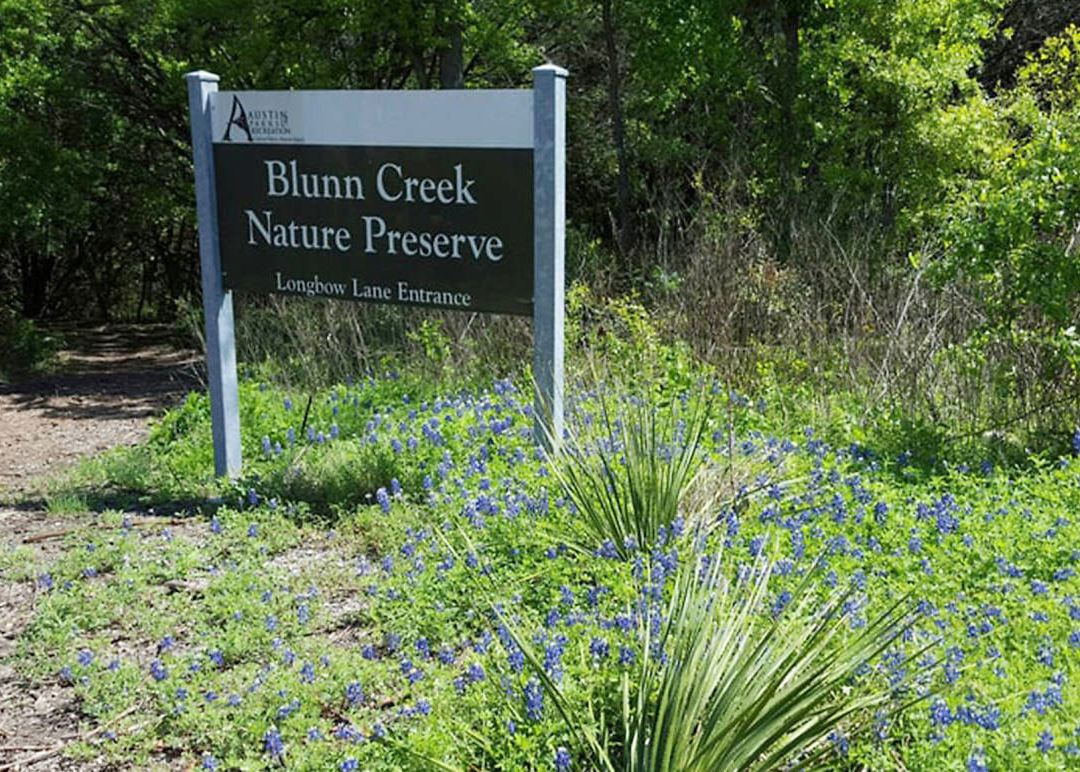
(412, 197)
(447, 199)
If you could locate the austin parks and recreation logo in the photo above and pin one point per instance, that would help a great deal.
(256, 124)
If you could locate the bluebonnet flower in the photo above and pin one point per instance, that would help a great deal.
(384, 499)
(208, 762)
(349, 764)
(273, 744)
(626, 655)
(481, 644)
(516, 659)
(307, 673)
(940, 715)
(534, 700)
(158, 671)
(607, 550)
(475, 672)
(562, 759)
(977, 763)
(1046, 741)
(840, 742)
(781, 602)
(1045, 654)
(85, 657)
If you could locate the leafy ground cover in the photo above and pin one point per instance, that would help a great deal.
(401, 581)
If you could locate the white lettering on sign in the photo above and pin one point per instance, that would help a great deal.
(310, 287)
(407, 294)
(288, 180)
(455, 246)
(294, 235)
(394, 185)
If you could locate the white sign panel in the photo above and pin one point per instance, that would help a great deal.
(467, 118)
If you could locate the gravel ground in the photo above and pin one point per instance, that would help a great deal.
(109, 382)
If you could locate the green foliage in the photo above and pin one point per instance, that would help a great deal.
(24, 347)
(750, 692)
(629, 469)
(482, 522)
(620, 335)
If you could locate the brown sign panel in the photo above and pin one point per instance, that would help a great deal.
(438, 227)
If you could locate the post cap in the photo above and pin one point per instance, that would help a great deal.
(550, 69)
(202, 75)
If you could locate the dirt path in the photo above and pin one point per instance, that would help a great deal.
(110, 382)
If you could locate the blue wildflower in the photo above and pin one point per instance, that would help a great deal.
(534, 700)
(1046, 741)
(273, 744)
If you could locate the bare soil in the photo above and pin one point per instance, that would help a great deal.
(109, 382)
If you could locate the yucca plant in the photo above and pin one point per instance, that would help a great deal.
(628, 473)
(725, 685)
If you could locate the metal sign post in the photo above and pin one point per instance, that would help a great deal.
(440, 199)
(549, 233)
(217, 302)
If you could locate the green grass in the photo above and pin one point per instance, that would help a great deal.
(291, 586)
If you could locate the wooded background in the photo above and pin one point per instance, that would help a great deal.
(903, 177)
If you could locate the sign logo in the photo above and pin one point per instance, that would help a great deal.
(237, 118)
(258, 125)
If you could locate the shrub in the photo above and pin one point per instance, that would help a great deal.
(24, 347)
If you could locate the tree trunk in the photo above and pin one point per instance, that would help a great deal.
(618, 129)
(451, 62)
(787, 129)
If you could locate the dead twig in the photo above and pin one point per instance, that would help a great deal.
(60, 532)
(57, 749)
